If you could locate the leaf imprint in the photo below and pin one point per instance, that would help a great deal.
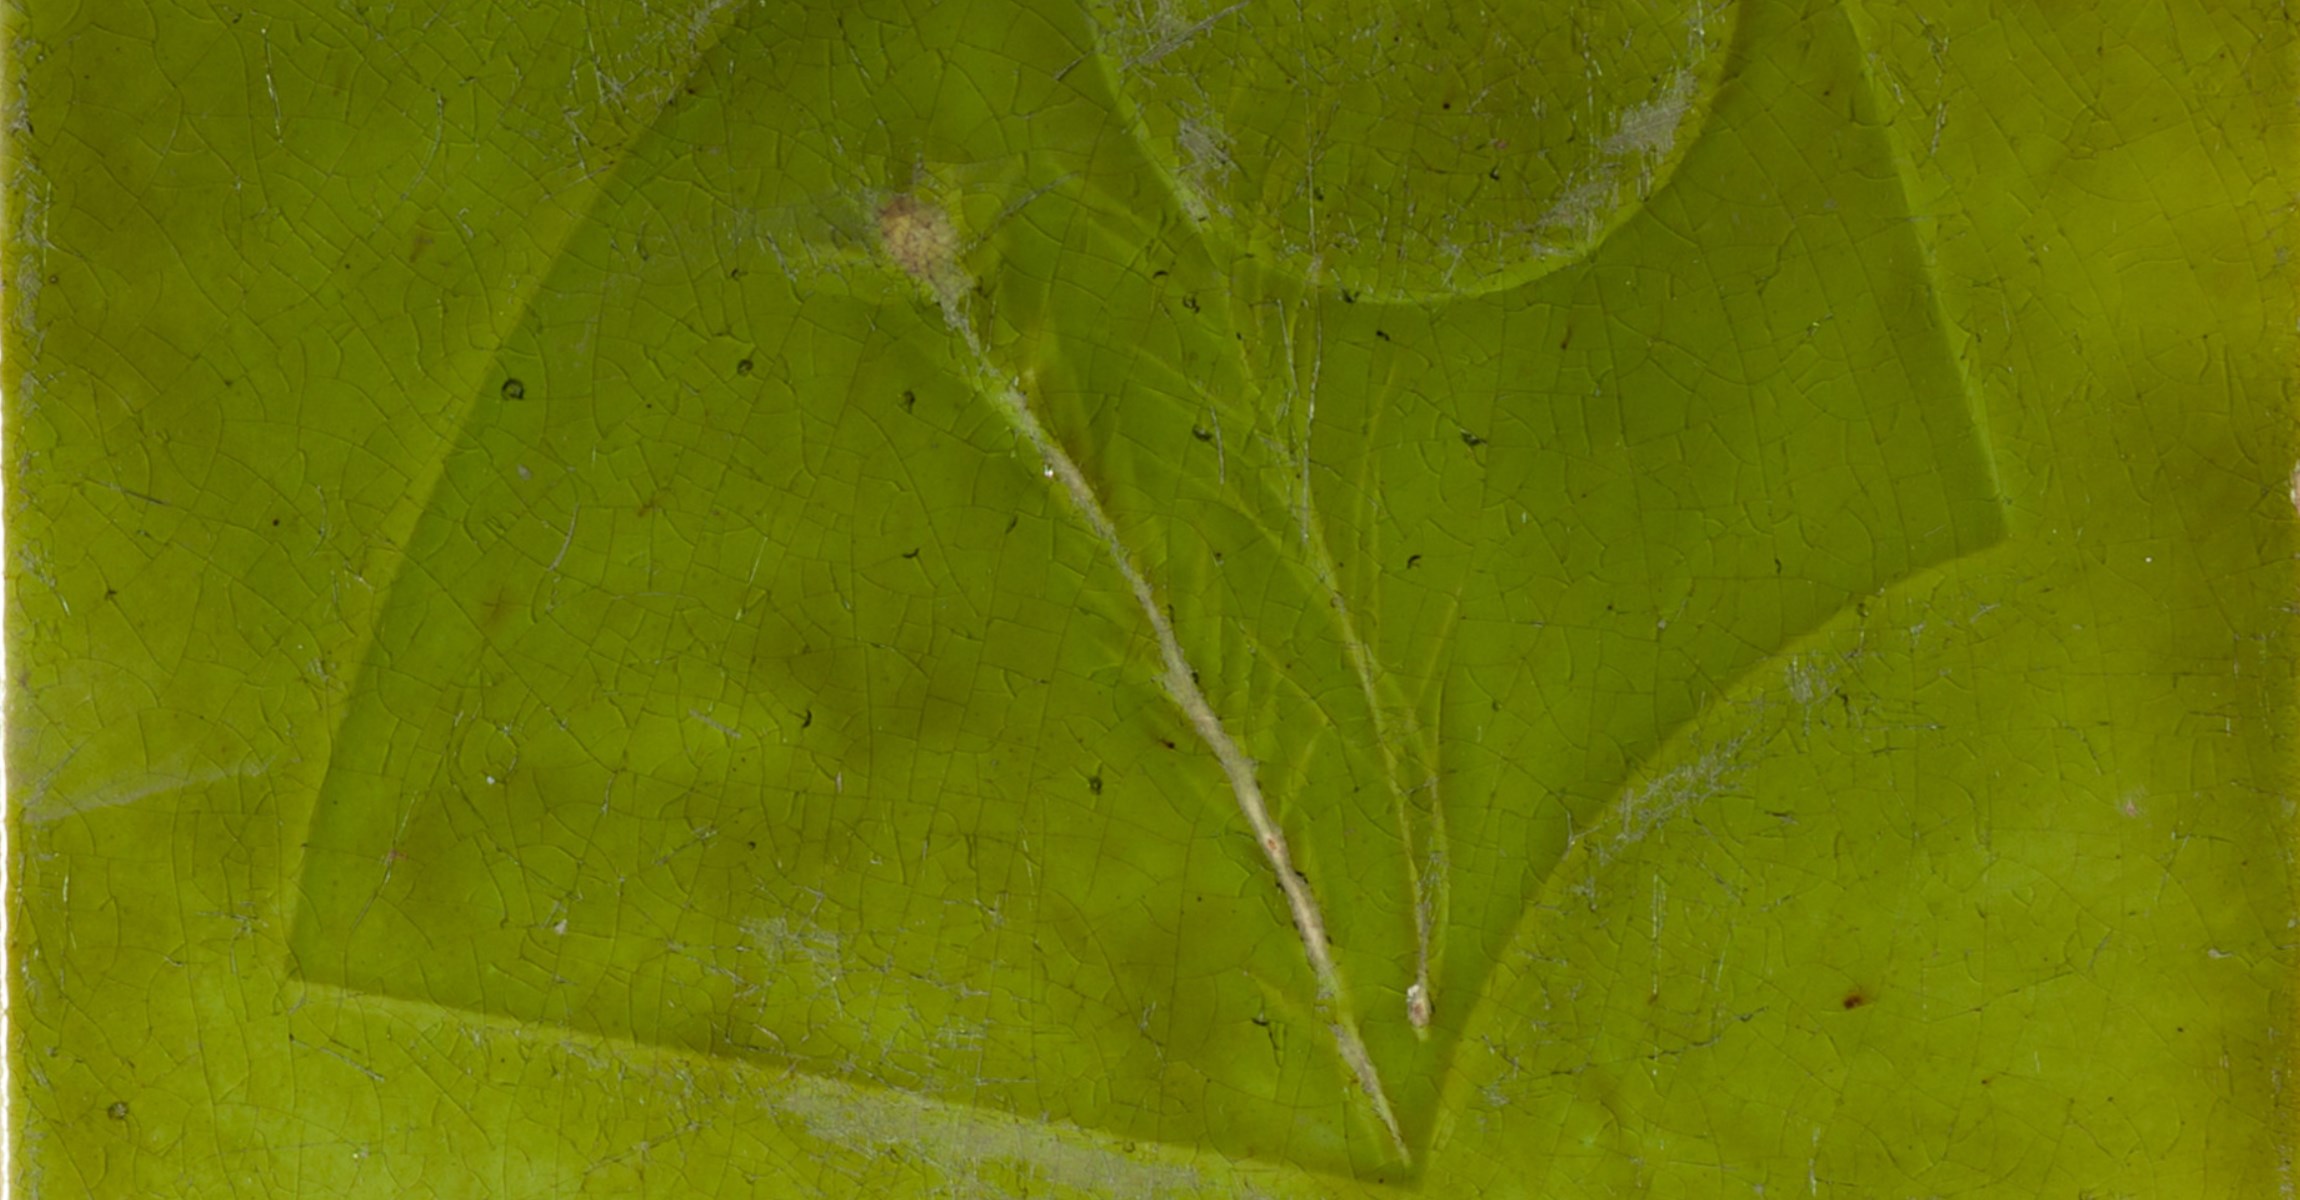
(919, 238)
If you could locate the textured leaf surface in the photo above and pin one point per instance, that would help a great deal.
(710, 601)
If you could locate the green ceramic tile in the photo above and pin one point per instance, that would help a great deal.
(1071, 598)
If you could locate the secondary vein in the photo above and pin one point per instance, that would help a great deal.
(918, 238)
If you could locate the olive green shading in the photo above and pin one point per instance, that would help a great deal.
(1968, 885)
(1415, 151)
(785, 710)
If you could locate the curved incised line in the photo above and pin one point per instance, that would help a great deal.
(1424, 855)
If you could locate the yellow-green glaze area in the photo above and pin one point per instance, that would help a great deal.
(1414, 150)
(757, 599)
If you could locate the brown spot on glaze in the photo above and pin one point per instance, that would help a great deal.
(919, 238)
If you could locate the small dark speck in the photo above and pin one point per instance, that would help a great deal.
(1383, 334)
(1413, 560)
(734, 272)
(1349, 297)
(1471, 440)
(1167, 742)
(751, 845)
(743, 367)
(275, 522)
(806, 718)
(1494, 173)
(1262, 1021)
(1094, 784)
(1855, 1000)
(118, 1110)
(1201, 433)
(1190, 302)
(909, 400)
(514, 390)
(911, 553)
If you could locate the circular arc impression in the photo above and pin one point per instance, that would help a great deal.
(1403, 150)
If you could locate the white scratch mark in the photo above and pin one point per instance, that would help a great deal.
(978, 1152)
(705, 718)
(45, 805)
(1178, 39)
(340, 1057)
(569, 540)
(271, 85)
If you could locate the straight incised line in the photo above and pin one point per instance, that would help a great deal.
(918, 238)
